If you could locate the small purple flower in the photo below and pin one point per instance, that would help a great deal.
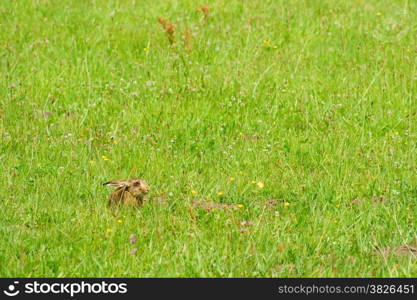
(132, 238)
(246, 223)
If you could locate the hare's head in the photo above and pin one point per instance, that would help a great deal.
(136, 186)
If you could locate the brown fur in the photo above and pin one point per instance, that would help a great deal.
(129, 192)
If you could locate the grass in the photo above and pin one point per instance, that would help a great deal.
(310, 103)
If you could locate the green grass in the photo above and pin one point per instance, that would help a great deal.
(315, 99)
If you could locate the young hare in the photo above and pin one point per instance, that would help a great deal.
(128, 191)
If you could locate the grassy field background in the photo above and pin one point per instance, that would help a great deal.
(301, 114)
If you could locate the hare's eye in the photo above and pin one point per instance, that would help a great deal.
(136, 183)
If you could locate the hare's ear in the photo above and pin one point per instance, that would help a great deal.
(116, 183)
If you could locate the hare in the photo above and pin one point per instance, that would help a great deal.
(128, 191)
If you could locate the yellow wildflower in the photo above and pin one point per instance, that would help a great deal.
(286, 203)
(267, 42)
(231, 179)
(220, 194)
(109, 230)
(378, 14)
(119, 221)
(253, 181)
(240, 205)
(105, 157)
(193, 192)
(260, 185)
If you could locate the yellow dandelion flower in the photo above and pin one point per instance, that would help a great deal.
(115, 142)
(241, 133)
(109, 230)
(105, 158)
(231, 179)
(91, 162)
(286, 203)
(240, 205)
(253, 181)
(193, 192)
(220, 194)
(260, 185)
(145, 49)
(378, 14)
(119, 221)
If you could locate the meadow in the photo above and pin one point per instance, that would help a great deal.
(278, 138)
